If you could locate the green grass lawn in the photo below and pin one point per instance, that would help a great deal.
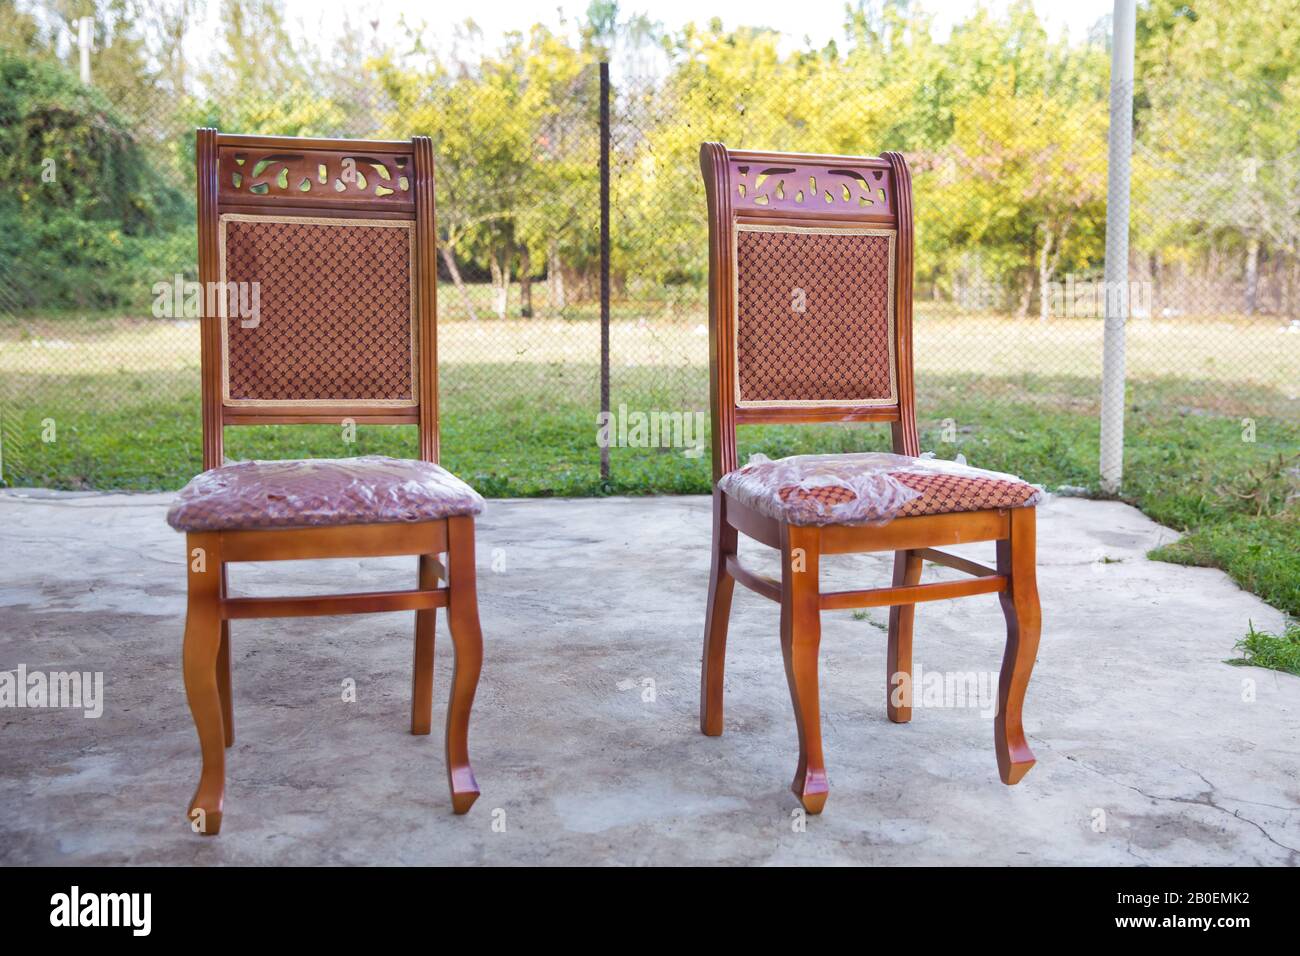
(122, 409)
(1280, 652)
(514, 430)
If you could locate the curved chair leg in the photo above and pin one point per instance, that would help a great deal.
(1024, 620)
(898, 684)
(716, 617)
(202, 682)
(223, 671)
(223, 685)
(467, 639)
(422, 679)
(801, 632)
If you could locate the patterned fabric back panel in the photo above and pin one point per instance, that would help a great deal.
(814, 320)
(336, 310)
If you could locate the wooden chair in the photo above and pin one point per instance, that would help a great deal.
(810, 313)
(338, 235)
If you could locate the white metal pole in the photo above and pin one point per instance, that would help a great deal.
(1123, 27)
(85, 35)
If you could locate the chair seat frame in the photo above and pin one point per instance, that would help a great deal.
(914, 540)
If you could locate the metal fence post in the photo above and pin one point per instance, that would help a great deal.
(1117, 214)
(85, 37)
(604, 262)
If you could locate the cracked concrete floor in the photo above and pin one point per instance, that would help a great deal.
(1150, 748)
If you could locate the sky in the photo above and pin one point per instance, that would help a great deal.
(817, 20)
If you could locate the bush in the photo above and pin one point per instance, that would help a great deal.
(85, 212)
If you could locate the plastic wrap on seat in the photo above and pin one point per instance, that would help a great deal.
(869, 488)
(308, 493)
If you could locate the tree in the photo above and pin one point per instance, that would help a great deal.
(507, 157)
(84, 198)
(20, 32)
(1218, 129)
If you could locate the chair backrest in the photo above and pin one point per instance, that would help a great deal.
(316, 260)
(810, 292)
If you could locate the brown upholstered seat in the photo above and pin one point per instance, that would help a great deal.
(939, 494)
(870, 488)
(944, 494)
(311, 493)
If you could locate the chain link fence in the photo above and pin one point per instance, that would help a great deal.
(1010, 209)
(100, 383)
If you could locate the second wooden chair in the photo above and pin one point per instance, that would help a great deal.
(810, 314)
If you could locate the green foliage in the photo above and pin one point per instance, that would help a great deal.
(1260, 554)
(1279, 652)
(100, 170)
(136, 430)
(84, 214)
(516, 152)
(1238, 503)
(303, 114)
(1004, 125)
(1006, 132)
(19, 30)
(1219, 110)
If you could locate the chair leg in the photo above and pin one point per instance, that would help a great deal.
(202, 683)
(223, 686)
(467, 638)
(223, 672)
(716, 617)
(1016, 559)
(898, 689)
(422, 681)
(801, 633)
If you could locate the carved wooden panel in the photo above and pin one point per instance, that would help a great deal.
(313, 177)
(812, 188)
